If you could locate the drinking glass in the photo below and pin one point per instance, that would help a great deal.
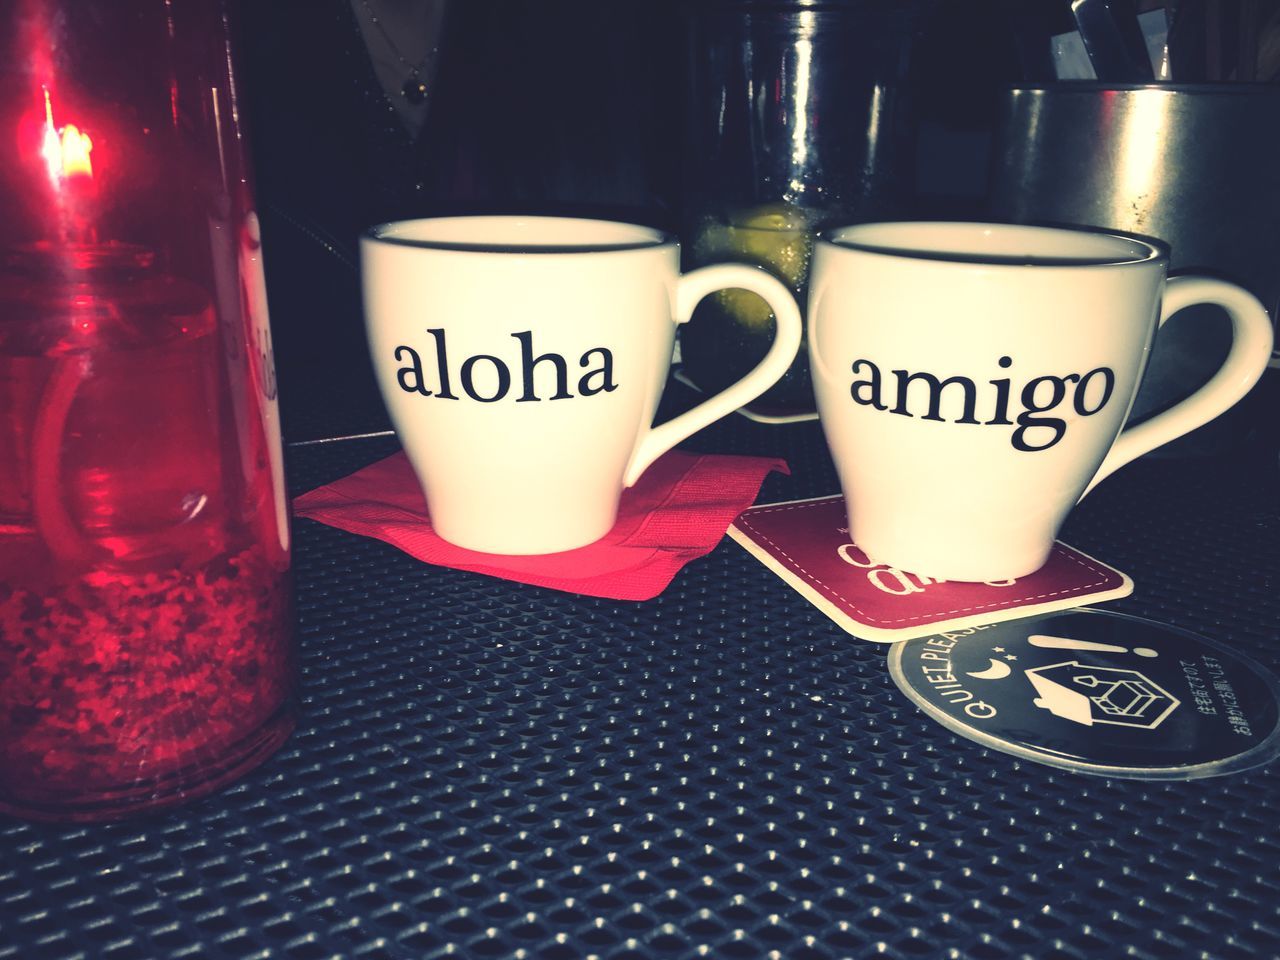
(797, 119)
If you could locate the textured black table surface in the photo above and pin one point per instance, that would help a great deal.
(490, 770)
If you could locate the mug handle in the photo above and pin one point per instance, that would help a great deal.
(690, 289)
(1251, 342)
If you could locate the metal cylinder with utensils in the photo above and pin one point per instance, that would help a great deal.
(1194, 165)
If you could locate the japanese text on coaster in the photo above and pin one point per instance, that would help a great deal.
(806, 543)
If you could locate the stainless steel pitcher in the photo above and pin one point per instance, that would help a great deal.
(1195, 165)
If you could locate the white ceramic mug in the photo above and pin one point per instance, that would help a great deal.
(522, 360)
(973, 380)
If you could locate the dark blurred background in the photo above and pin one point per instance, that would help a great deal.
(554, 106)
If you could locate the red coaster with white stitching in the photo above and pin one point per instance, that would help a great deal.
(806, 542)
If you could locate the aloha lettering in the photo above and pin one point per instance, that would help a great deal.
(488, 379)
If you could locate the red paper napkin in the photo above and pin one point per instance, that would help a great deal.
(678, 511)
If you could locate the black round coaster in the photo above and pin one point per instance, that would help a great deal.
(1100, 693)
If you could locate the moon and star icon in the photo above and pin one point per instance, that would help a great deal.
(999, 669)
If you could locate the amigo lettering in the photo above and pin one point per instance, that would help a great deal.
(920, 394)
(488, 379)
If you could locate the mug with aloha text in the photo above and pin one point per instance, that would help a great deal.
(973, 380)
(522, 360)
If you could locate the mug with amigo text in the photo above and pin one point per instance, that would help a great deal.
(522, 360)
(973, 380)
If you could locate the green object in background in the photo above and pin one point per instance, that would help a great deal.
(732, 329)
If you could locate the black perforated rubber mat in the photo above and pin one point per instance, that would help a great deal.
(491, 770)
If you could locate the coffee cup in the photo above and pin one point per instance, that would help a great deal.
(522, 360)
(973, 380)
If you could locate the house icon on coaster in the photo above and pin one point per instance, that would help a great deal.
(1088, 695)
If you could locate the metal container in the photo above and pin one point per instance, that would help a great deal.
(1195, 165)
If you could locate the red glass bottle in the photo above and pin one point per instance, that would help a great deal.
(146, 649)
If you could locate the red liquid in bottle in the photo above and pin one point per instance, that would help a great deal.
(146, 652)
(145, 621)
